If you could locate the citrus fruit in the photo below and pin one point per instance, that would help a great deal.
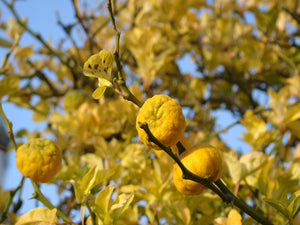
(165, 119)
(204, 161)
(39, 159)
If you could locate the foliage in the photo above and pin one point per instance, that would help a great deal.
(109, 175)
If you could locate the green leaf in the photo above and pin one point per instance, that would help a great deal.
(9, 85)
(98, 92)
(294, 204)
(234, 166)
(23, 51)
(99, 65)
(89, 181)
(78, 192)
(294, 126)
(121, 204)
(41, 110)
(252, 161)
(279, 206)
(92, 160)
(39, 215)
(102, 201)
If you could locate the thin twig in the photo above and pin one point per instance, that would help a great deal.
(9, 201)
(119, 79)
(9, 126)
(40, 39)
(39, 196)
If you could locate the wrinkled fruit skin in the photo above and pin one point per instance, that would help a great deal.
(39, 159)
(165, 120)
(203, 160)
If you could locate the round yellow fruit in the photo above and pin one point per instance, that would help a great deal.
(204, 161)
(165, 119)
(39, 159)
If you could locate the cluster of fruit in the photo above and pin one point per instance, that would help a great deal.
(166, 122)
(40, 160)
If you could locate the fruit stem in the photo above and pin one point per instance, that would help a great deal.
(39, 196)
(9, 126)
(242, 205)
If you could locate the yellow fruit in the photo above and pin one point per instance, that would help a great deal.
(164, 118)
(203, 160)
(39, 159)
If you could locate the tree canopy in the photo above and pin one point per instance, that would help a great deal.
(240, 51)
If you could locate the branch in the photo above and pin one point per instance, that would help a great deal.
(119, 80)
(242, 205)
(218, 187)
(9, 201)
(9, 126)
(186, 173)
(40, 39)
(39, 196)
(37, 193)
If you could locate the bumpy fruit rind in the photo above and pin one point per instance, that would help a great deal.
(203, 160)
(39, 159)
(165, 120)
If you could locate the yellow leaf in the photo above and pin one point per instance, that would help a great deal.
(234, 218)
(99, 65)
(293, 84)
(98, 92)
(294, 126)
(39, 215)
(23, 51)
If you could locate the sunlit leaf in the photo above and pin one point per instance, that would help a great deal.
(24, 51)
(121, 204)
(234, 218)
(252, 161)
(102, 201)
(279, 206)
(294, 204)
(99, 65)
(234, 166)
(89, 181)
(39, 215)
(9, 85)
(98, 92)
(41, 111)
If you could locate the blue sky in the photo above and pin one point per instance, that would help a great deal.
(42, 18)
